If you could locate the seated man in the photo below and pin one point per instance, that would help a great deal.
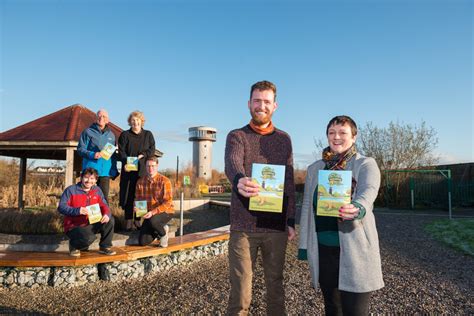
(76, 223)
(155, 189)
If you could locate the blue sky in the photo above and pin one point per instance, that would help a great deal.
(191, 62)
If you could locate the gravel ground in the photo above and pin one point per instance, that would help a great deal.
(421, 276)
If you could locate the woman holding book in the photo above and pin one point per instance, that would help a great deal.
(135, 146)
(342, 249)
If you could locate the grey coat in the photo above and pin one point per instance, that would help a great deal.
(360, 267)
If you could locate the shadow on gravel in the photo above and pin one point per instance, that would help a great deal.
(201, 220)
(13, 311)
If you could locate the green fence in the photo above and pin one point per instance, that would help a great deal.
(425, 189)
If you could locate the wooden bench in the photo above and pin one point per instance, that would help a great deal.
(124, 253)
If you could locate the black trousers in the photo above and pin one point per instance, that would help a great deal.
(153, 228)
(337, 302)
(82, 237)
(103, 183)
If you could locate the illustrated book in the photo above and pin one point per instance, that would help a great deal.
(108, 151)
(141, 208)
(93, 213)
(132, 163)
(271, 179)
(334, 190)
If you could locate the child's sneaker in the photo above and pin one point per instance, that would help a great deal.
(164, 239)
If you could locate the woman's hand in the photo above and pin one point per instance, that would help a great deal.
(247, 188)
(348, 212)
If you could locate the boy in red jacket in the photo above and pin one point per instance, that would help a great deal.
(76, 223)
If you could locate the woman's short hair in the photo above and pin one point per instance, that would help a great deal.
(342, 120)
(137, 114)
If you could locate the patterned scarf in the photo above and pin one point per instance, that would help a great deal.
(262, 131)
(339, 161)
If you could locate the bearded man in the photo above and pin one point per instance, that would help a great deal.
(258, 142)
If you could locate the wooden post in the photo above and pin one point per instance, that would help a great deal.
(69, 176)
(21, 183)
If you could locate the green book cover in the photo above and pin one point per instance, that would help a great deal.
(334, 190)
(141, 208)
(132, 163)
(271, 179)
(108, 151)
(93, 213)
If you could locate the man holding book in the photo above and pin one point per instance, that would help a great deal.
(97, 147)
(265, 228)
(78, 204)
(153, 195)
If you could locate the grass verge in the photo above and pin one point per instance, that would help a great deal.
(455, 233)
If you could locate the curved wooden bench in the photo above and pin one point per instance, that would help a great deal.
(124, 253)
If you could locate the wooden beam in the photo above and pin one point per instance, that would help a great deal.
(21, 183)
(69, 176)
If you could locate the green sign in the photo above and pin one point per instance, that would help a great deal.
(187, 180)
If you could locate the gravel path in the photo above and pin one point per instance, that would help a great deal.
(421, 276)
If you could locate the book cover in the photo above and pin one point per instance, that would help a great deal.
(271, 179)
(93, 213)
(132, 163)
(108, 151)
(334, 190)
(141, 208)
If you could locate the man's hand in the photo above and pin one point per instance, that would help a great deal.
(83, 211)
(105, 219)
(291, 233)
(148, 215)
(97, 155)
(247, 188)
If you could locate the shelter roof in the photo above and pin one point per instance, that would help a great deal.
(66, 124)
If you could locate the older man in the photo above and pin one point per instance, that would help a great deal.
(93, 140)
(258, 142)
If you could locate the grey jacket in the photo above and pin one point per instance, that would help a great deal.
(360, 267)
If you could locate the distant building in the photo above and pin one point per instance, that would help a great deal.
(202, 138)
(49, 170)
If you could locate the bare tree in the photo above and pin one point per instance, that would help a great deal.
(399, 146)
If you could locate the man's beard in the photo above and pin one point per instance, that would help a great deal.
(260, 120)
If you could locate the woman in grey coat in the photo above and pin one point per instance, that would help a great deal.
(343, 252)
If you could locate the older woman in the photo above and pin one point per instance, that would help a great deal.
(134, 143)
(343, 253)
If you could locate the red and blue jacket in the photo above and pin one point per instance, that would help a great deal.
(73, 198)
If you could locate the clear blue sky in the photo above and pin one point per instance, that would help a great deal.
(191, 62)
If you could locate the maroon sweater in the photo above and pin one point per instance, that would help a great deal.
(244, 147)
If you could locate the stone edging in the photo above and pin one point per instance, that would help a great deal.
(115, 271)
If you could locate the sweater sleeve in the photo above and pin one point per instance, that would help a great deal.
(290, 189)
(64, 207)
(83, 144)
(149, 149)
(122, 145)
(166, 203)
(234, 158)
(305, 217)
(368, 183)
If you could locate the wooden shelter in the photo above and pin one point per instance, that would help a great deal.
(54, 136)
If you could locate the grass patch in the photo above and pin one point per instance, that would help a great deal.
(456, 233)
(42, 220)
